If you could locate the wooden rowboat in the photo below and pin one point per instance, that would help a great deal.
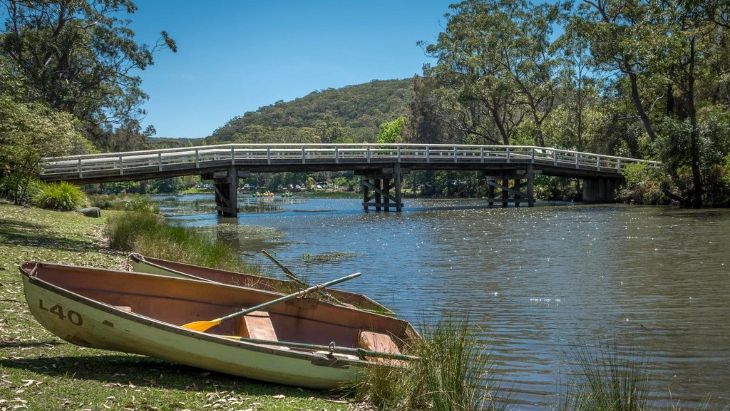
(301, 341)
(151, 265)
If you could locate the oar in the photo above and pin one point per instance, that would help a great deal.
(296, 279)
(204, 325)
(360, 352)
(286, 271)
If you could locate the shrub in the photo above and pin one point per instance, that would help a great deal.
(643, 185)
(61, 196)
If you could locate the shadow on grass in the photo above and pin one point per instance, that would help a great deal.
(33, 344)
(22, 233)
(138, 371)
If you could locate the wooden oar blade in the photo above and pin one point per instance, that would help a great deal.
(202, 326)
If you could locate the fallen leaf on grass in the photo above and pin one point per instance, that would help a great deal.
(279, 397)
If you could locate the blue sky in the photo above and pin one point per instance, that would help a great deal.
(237, 56)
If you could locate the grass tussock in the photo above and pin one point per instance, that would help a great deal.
(123, 202)
(452, 375)
(604, 379)
(148, 233)
(61, 196)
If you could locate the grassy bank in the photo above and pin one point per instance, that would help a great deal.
(41, 372)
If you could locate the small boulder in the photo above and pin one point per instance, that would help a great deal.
(90, 211)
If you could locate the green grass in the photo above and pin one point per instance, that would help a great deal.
(41, 372)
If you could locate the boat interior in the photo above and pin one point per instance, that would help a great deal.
(245, 280)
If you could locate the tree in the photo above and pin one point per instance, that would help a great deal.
(668, 52)
(78, 56)
(496, 67)
(424, 118)
(392, 131)
(28, 132)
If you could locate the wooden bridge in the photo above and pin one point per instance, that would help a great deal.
(380, 165)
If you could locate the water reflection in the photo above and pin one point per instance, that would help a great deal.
(536, 281)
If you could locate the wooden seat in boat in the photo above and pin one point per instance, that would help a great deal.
(373, 341)
(258, 325)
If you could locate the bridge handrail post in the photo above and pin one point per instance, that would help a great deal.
(159, 160)
(508, 154)
(121, 166)
(532, 154)
(368, 153)
(337, 154)
(618, 165)
(428, 154)
(304, 154)
(555, 157)
(268, 155)
(456, 154)
(81, 173)
(577, 161)
(481, 154)
(397, 147)
(197, 158)
(598, 163)
(233, 154)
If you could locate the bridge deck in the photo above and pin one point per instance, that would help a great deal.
(165, 163)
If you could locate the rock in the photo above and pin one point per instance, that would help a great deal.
(90, 212)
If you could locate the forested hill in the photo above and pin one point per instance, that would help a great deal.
(348, 114)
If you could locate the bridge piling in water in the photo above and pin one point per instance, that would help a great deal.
(516, 191)
(381, 181)
(600, 190)
(225, 185)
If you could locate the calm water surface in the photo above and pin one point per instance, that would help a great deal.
(536, 282)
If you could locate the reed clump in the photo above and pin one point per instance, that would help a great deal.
(149, 234)
(453, 374)
(604, 379)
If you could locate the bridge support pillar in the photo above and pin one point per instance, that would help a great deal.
(517, 195)
(377, 186)
(225, 185)
(600, 190)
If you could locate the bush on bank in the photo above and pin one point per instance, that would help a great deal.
(61, 196)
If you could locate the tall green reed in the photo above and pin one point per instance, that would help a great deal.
(453, 374)
(149, 234)
(602, 378)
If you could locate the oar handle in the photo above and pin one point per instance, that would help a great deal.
(290, 296)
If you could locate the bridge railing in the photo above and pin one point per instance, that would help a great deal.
(81, 166)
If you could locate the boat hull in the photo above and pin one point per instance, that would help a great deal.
(78, 317)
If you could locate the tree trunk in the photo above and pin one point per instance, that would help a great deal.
(694, 137)
(640, 106)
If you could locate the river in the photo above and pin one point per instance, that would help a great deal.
(536, 283)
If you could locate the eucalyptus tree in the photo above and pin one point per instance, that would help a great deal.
(78, 56)
(673, 53)
(496, 68)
